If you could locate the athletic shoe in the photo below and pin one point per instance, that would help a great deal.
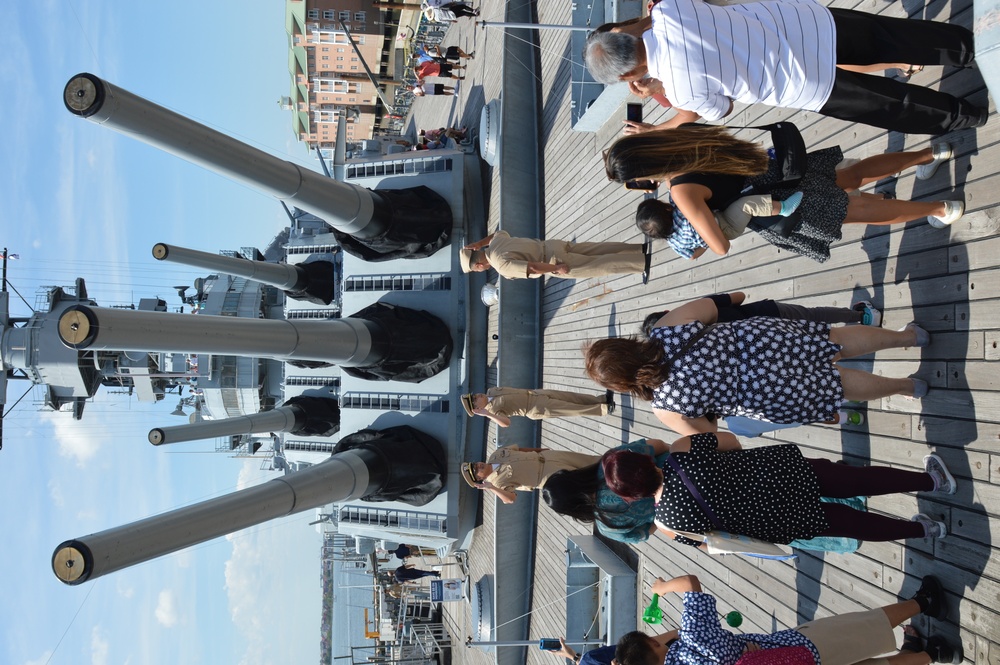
(920, 388)
(953, 211)
(941, 153)
(944, 482)
(791, 204)
(923, 337)
(932, 528)
(609, 399)
(645, 270)
(931, 598)
(870, 314)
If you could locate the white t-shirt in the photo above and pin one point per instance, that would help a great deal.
(776, 52)
(428, 88)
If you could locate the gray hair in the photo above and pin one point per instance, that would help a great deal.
(610, 55)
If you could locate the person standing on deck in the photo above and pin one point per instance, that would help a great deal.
(519, 258)
(512, 469)
(785, 53)
(500, 404)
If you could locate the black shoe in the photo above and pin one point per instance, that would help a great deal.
(784, 226)
(931, 597)
(645, 270)
(942, 652)
(609, 399)
(984, 115)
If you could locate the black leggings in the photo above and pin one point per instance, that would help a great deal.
(840, 481)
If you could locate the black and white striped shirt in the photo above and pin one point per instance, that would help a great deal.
(775, 52)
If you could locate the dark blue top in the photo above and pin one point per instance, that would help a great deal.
(599, 656)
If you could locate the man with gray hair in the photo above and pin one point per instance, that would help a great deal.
(785, 53)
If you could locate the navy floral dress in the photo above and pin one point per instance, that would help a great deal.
(777, 370)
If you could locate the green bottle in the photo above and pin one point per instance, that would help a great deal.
(653, 613)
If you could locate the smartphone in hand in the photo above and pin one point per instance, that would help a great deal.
(633, 112)
(642, 185)
(549, 644)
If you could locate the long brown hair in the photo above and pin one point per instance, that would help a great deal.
(687, 149)
(627, 365)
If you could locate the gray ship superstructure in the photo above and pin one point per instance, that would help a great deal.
(346, 336)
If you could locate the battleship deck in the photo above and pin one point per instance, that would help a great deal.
(947, 280)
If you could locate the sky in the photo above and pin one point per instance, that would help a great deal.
(82, 201)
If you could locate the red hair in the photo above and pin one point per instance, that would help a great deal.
(632, 476)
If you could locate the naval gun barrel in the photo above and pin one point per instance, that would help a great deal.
(281, 275)
(280, 419)
(348, 208)
(308, 281)
(348, 342)
(345, 476)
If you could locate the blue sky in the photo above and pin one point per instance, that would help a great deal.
(82, 201)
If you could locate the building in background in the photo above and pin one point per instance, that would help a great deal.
(328, 79)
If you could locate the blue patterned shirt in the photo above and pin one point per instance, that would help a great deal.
(702, 640)
(684, 240)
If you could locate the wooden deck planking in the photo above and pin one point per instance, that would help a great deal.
(947, 278)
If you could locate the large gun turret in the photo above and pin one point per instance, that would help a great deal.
(386, 224)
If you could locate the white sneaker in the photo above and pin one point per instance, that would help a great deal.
(953, 211)
(941, 152)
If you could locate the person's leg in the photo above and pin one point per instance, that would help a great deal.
(872, 169)
(822, 314)
(846, 522)
(877, 211)
(890, 104)
(868, 39)
(877, 67)
(862, 340)
(862, 386)
(842, 481)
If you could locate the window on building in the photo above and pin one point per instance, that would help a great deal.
(340, 50)
(359, 17)
(344, 16)
(354, 66)
(360, 39)
(326, 49)
(312, 14)
(326, 57)
(340, 58)
(329, 14)
(354, 59)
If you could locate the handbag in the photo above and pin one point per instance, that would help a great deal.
(789, 152)
(779, 656)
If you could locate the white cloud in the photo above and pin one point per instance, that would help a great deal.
(277, 613)
(76, 443)
(166, 609)
(99, 647)
(124, 590)
(41, 660)
(55, 492)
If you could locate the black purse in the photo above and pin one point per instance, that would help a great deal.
(789, 152)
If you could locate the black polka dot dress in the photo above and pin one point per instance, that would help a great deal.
(778, 370)
(769, 492)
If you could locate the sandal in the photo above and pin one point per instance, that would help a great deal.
(912, 641)
(910, 71)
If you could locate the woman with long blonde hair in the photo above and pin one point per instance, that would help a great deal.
(707, 168)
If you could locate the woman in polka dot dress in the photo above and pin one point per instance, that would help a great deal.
(778, 370)
(771, 493)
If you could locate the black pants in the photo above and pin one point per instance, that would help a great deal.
(843, 481)
(867, 39)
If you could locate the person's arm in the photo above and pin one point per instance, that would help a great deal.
(566, 651)
(691, 200)
(539, 268)
(680, 117)
(682, 424)
(479, 244)
(659, 446)
(532, 450)
(697, 253)
(703, 309)
(680, 539)
(504, 495)
(681, 584)
(727, 441)
(500, 420)
(737, 297)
